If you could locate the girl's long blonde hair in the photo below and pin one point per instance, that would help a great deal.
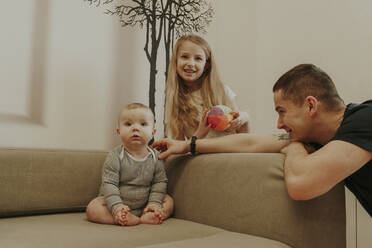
(180, 113)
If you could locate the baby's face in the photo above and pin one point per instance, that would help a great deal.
(136, 127)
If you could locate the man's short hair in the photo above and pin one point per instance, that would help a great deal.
(308, 80)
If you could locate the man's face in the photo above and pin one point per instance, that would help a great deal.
(294, 119)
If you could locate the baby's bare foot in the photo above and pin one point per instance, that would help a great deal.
(152, 218)
(130, 219)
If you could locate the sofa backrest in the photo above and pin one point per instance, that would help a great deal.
(238, 192)
(34, 181)
(246, 193)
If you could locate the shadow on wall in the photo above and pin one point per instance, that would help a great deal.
(37, 68)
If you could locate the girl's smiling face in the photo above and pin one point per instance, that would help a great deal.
(191, 63)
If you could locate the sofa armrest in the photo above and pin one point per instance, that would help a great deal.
(246, 193)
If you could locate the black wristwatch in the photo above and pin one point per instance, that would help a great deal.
(193, 145)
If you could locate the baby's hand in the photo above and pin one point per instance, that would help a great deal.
(120, 214)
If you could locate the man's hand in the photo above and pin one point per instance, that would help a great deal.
(298, 146)
(294, 146)
(168, 147)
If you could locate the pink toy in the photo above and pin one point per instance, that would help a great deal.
(219, 117)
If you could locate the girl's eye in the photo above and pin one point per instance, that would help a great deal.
(184, 56)
(199, 58)
(127, 124)
(144, 123)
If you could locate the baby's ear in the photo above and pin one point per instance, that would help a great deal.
(153, 132)
(118, 131)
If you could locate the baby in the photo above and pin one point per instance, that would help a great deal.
(134, 181)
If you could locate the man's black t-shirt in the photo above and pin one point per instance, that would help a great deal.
(356, 128)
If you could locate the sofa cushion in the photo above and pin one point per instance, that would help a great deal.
(73, 230)
(223, 240)
(48, 181)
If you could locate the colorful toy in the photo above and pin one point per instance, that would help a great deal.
(219, 117)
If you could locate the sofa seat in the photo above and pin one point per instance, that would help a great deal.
(73, 230)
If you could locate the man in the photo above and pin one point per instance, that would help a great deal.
(312, 113)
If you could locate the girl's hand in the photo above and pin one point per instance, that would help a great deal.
(235, 122)
(240, 120)
(168, 147)
(204, 127)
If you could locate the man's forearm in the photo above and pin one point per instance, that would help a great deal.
(243, 142)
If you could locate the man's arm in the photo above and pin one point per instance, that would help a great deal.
(235, 143)
(310, 175)
(242, 142)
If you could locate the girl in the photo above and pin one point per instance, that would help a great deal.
(193, 86)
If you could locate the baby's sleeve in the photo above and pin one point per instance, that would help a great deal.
(159, 184)
(111, 181)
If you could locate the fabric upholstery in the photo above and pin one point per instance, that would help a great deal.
(248, 190)
(73, 230)
(48, 181)
(239, 199)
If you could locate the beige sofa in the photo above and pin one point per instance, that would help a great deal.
(221, 200)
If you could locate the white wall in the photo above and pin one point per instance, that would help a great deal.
(66, 70)
(257, 41)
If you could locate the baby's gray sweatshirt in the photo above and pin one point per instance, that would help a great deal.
(134, 183)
